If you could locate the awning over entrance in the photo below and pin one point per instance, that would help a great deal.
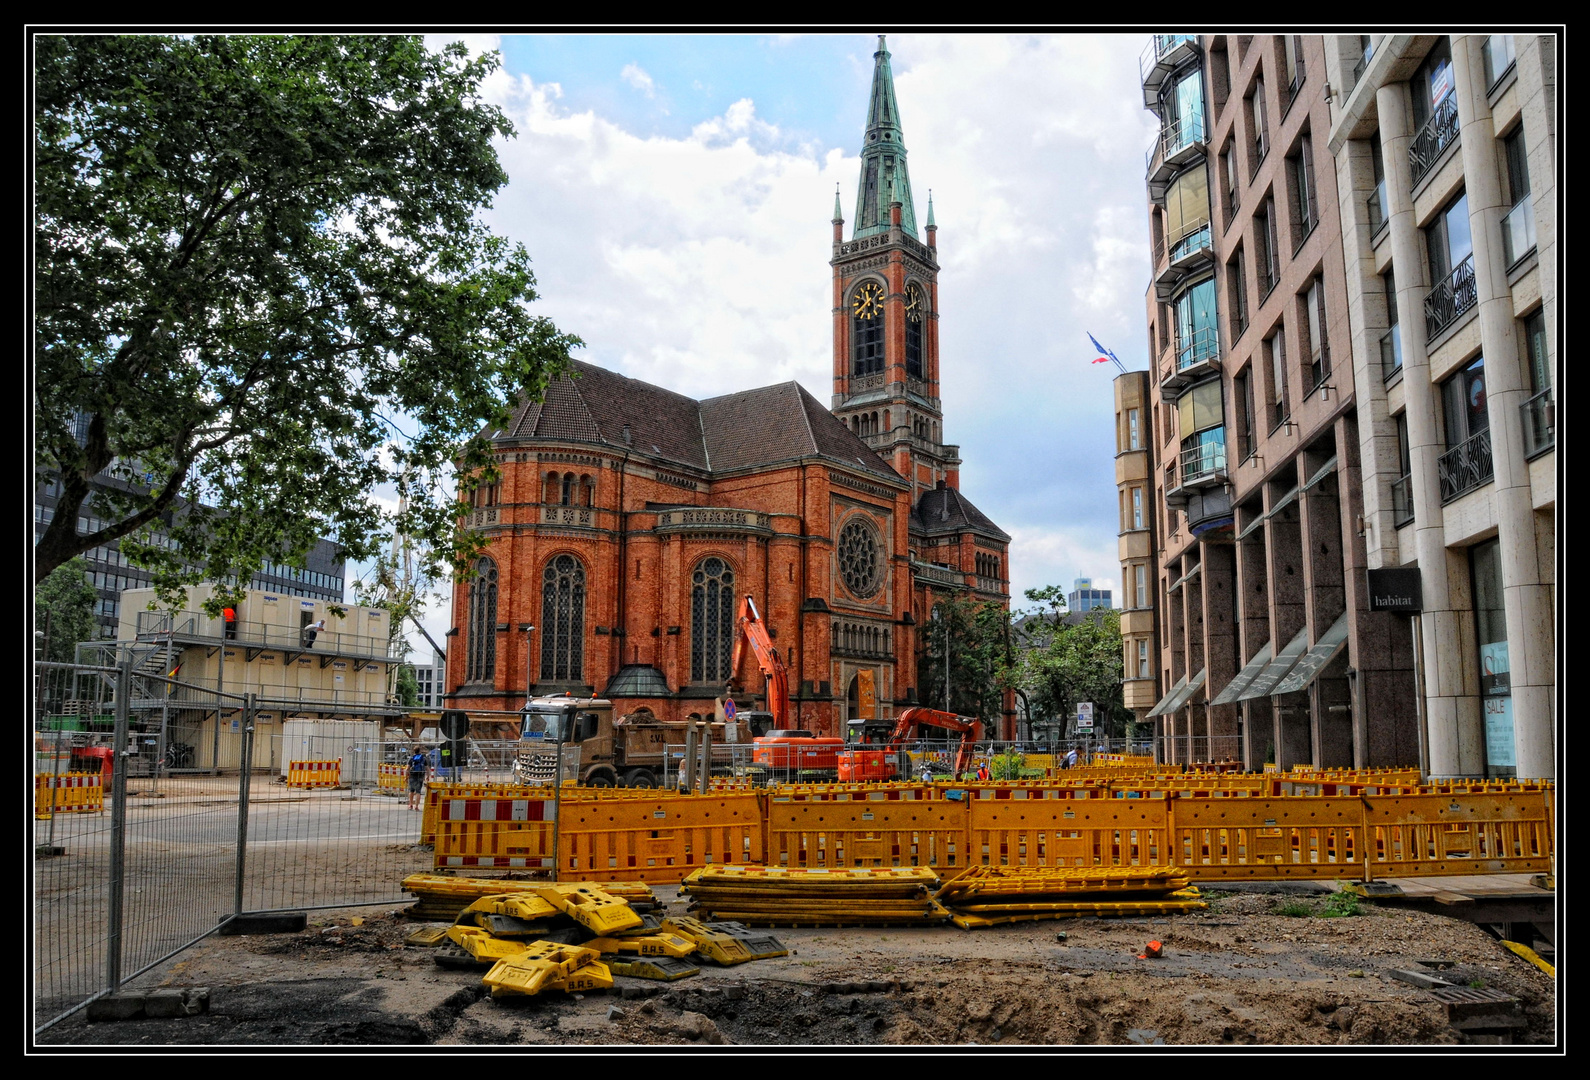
(1187, 692)
(1233, 689)
(1314, 661)
(1263, 684)
(1160, 709)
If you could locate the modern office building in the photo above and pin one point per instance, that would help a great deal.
(1303, 190)
(432, 681)
(1084, 597)
(1134, 470)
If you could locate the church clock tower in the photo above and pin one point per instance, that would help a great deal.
(886, 340)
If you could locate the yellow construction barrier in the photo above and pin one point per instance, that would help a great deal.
(496, 831)
(68, 793)
(1267, 839)
(393, 778)
(1411, 835)
(314, 774)
(1123, 759)
(1067, 832)
(661, 838)
(830, 835)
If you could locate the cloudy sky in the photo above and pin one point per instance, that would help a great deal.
(675, 193)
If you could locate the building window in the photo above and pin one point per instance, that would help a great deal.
(1450, 247)
(1230, 188)
(1518, 224)
(1490, 633)
(1143, 669)
(480, 664)
(1391, 340)
(1435, 118)
(1499, 50)
(1142, 585)
(1243, 389)
(563, 620)
(866, 329)
(1137, 508)
(1280, 405)
(1258, 127)
(1540, 412)
(1319, 350)
(1305, 208)
(858, 558)
(711, 622)
(1237, 294)
(1133, 439)
(1203, 434)
(915, 316)
(1292, 44)
(1467, 462)
(1264, 240)
(1402, 487)
(1198, 339)
(1378, 207)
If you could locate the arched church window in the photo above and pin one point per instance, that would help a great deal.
(866, 329)
(563, 620)
(480, 661)
(915, 314)
(549, 491)
(711, 622)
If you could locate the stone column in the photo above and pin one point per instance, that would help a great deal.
(1219, 585)
(1254, 621)
(1526, 594)
(1457, 736)
(1283, 544)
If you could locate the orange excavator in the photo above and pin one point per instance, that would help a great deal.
(886, 763)
(749, 627)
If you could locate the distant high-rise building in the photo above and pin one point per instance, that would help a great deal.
(1084, 597)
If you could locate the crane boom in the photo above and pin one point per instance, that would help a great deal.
(749, 627)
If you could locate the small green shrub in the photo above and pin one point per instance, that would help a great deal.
(1295, 909)
(1342, 905)
(1476, 984)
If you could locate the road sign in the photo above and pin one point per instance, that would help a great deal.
(455, 724)
(728, 709)
(1084, 716)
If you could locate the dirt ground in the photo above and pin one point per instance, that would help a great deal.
(1242, 973)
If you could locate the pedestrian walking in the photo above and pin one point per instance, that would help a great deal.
(419, 765)
(312, 631)
(1071, 759)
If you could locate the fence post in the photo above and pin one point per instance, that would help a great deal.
(245, 769)
(118, 829)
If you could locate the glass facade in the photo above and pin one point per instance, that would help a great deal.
(1490, 632)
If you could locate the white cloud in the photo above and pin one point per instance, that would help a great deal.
(635, 76)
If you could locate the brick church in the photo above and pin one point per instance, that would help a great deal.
(629, 519)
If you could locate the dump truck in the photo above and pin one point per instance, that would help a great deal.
(623, 751)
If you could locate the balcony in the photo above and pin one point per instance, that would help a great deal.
(1189, 256)
(1196, 356)
(1451, 298)
(1179, 144)
(1390, 354)
(937, 575)
(1205, 463)
(1377, 210)
(1518, 232)
(1438, 133)
(715, 519)
(1540, 423)
(1163, 55)
(1402, 501)
(197, 628)
(1466, 466)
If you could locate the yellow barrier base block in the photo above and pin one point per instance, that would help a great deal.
(426, 937)
(725, 943)
(659, 968)
(649, 945)
(597, 910)
(534, 969)
(1525, 952)
(482, 946)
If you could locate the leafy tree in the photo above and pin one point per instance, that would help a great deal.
(408, 686)
(262, 290)
(63, 609)
(979, 649)
(1061, 662)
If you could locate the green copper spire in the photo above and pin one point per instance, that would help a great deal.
(839, 215)
(930, 222)
(883, 172)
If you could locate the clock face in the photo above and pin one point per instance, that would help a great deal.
(913, 304)
(868, 301)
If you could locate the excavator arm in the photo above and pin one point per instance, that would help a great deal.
(750, 628)
(971, 730)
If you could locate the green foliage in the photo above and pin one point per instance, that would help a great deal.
(259, 259)
(408, 686)
(1343, 904)
(1060, 664)
(1007, 766)
(1476, 984)
(65, 600)
(977, 635)
(1295, 909)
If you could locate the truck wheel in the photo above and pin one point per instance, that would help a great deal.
(640, 778)
(600, 778)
